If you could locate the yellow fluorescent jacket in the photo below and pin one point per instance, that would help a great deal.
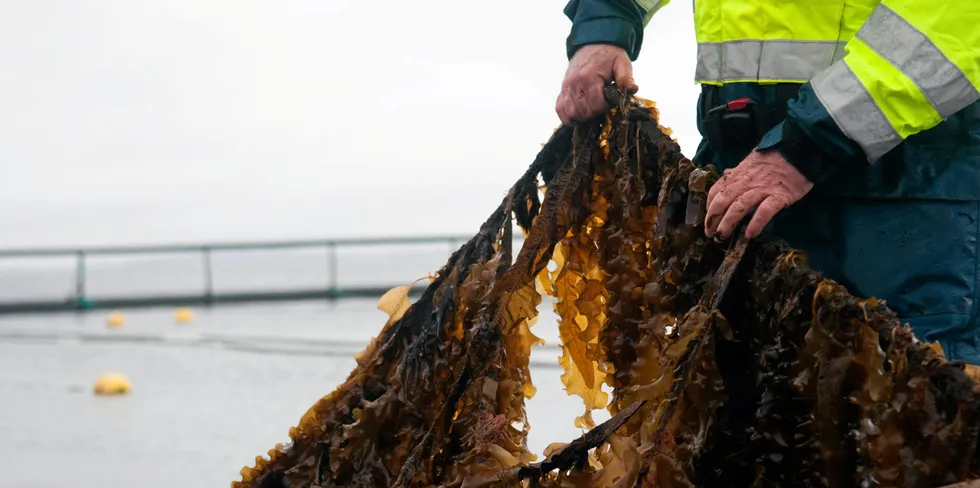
(884, 70)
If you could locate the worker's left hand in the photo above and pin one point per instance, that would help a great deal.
(765, 182)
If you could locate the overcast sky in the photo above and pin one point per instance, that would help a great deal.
(142, 121)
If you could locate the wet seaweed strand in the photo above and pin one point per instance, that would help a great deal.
(653, 320)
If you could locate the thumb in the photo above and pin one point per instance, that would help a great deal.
(623, 74)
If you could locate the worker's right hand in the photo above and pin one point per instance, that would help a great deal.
(589, 70)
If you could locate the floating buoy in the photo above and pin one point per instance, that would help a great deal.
(112, 384)
(115, 320)
(183, 315)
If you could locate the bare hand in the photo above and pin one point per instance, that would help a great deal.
(590, 68)
(764, 180)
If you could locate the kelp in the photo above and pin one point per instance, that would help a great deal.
(722, 364)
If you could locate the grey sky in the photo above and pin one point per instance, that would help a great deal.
(131, 121)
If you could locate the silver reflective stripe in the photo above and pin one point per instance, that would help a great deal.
(650, 7)
(856, 113)
(752, 59)
(709, 62)
(909, 50)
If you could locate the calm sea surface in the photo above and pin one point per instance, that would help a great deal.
(208, 396)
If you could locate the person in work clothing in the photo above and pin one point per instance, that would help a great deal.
(848, 128)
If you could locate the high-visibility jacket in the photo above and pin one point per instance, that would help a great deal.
(883, 71)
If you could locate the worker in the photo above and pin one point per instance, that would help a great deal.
(850, 129)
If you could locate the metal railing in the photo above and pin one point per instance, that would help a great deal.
(81, 300)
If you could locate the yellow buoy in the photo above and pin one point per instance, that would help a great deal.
(115, 320)
(112, 384)
(183, 315)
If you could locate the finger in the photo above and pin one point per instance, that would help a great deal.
(623, 74)
(586, 103)
(560, 109)
(571, 113)
(740, 169)
(596, 100)
(719, 185)
(739, 209)
(726, 190)
(578, 106)
(567, 100)
(763, 215)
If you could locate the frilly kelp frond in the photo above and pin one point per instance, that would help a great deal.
(655, 314)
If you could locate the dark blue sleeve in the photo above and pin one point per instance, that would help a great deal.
(617, 22)
(810, 139)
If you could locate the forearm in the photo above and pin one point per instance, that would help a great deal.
(910, 66)
(616, 22)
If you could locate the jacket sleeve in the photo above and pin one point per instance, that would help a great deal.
(910, 66)
(617, 22)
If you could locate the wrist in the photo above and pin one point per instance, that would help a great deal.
(800, 150)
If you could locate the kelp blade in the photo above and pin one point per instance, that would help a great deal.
(729, 364)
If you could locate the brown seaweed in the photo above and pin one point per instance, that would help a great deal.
(728, 364)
